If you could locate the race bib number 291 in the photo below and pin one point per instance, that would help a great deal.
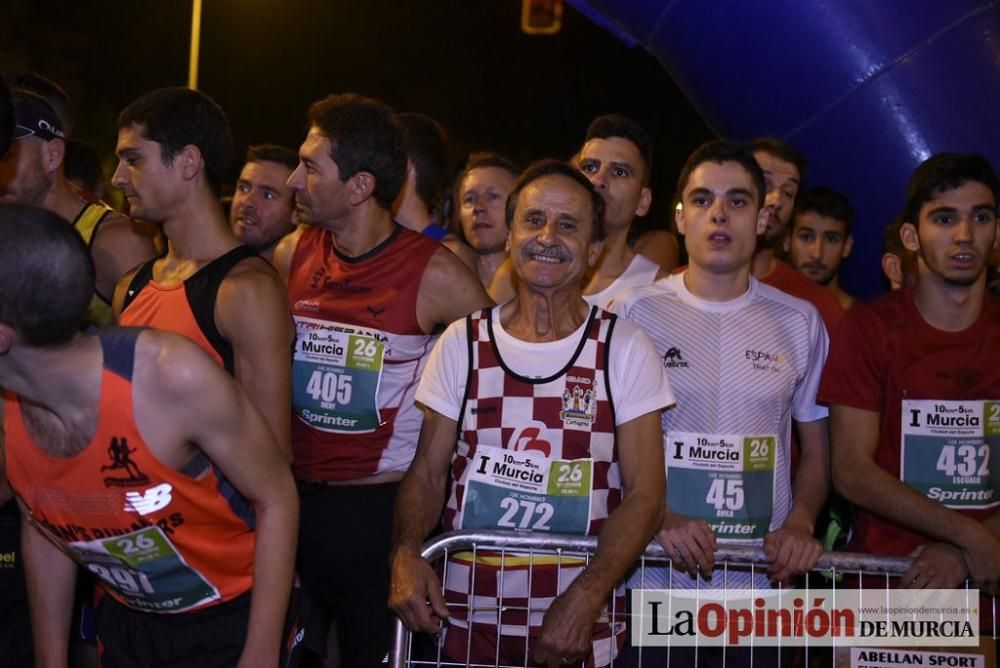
(146, 571)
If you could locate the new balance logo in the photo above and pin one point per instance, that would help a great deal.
(153, 499)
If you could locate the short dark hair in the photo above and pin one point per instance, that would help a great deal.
(179, 117)
(891, 241)
(48, 90)
(829, 203)
(550, 167)
(41, 254)
(82, 165)
(616, 125)
(273, 153)
(364, 137)
(782, 151)
(720, 151)
(946, 171)
(426, 145)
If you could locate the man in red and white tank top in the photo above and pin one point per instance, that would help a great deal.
(557, 409)
(134, 455)
(367, 296)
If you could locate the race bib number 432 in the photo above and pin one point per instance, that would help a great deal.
(525, 491)
(725, 479)
(947, 451)
(336, 371)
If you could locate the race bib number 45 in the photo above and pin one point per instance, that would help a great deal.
(725, 479)
(525, 491)
(336, 371)
(145, 570)
(947, 451)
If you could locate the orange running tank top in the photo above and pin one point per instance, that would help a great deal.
(158, 539)
(187, 308)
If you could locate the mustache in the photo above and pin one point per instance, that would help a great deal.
(814, 265)
(555, 252)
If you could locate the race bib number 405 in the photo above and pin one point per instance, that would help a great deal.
(725, 479)
(146, 571)
(947, 451)
(336, 371)
(525, 491)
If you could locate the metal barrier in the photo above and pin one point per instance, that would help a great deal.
(573, 549)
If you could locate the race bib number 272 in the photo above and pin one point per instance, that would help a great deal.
(525, 491)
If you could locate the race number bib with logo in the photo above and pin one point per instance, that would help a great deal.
(727, 480)
(947, 448)
(526, 491)
(144, 568)
(336, 371)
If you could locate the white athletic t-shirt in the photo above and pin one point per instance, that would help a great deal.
(639, 272)
(638, 381)
(742, 369)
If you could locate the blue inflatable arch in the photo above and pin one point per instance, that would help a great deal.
(867, 89)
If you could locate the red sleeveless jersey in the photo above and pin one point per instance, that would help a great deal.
(159, 540)
(359, 353)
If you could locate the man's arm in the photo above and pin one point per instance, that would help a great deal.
(284, 251)
(792, 548)
(567, 626)
(461, 251)
(118, 247)
(448, 291)
(252, 314)
(182, 396)
(418, 509)
(50, 576)
(863, 482)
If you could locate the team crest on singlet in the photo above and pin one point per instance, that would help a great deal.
(579, 402)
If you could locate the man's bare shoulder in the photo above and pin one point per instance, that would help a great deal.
(448, 291)
(285, 250)
(444, 268)
(252, 280)
(170, 367)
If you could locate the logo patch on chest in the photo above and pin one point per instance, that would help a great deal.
(120, 455)
(579, 402)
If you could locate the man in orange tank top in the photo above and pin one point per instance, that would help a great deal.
(134, 455)
(174, 147)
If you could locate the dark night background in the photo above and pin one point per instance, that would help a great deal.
(464, 62)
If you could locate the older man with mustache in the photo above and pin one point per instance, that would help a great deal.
(561, 392)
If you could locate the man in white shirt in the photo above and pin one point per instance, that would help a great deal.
(617, 157)
(556, 405)
(745, 359)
